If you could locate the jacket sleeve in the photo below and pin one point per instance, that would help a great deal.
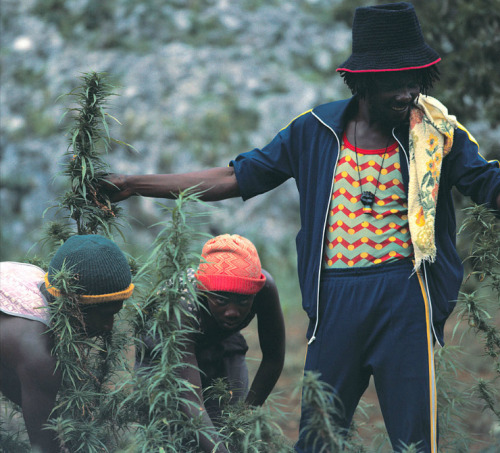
(471, 173)
(261, 170)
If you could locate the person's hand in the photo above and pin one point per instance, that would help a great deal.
(115, 187)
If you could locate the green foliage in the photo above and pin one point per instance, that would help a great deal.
(484, 236)
(479, 310)
(11, 440)
(85, 168)
(253, 430)
(323, 410)
(466, 35)
(159, 393)
(248, 429)
(86, 416)
(455, 402)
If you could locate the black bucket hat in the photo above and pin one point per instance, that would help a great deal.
(388, 38)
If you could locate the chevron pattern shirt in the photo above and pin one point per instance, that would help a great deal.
(355, 238)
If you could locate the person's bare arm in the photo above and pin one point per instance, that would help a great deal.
(26, 354)
(196, 407)
(271, 328)
(39, 386)
(215, 184)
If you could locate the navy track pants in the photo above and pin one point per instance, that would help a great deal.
(376, 321)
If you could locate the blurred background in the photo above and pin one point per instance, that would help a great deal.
(198, 82)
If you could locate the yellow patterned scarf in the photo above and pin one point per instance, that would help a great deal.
(431, 139)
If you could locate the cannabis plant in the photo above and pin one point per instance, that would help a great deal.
(477, 310)
(254, 429)
(323, 411)
(483, 311)
(89, 140)
(86, 416)
(159, 394)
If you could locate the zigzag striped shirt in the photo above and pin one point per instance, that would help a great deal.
(353, 237)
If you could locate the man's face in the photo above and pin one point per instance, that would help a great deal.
(229, 309)
(99, 319)
(391, 97)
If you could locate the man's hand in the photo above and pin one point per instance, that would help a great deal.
(115, 187)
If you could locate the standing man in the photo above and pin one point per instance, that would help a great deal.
(374, 174)
(28, 373)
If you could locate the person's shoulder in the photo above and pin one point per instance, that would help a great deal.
(463, 135)
(332, 109)
(328, 110)
(301, 118)
(269, 278)
(16, 274)
(14, 266)
(267, 295)
(25, 340)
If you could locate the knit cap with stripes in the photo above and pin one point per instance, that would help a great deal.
(99, 268)
(230, 263)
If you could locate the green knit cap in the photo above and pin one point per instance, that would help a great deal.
(100, 268)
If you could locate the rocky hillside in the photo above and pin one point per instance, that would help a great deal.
(197, 82)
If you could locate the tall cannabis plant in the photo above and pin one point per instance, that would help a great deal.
(482, 312)
(159, 393)
(86, 415)
(478, 309)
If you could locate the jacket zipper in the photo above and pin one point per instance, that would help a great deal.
(426, 285)
(313, 336)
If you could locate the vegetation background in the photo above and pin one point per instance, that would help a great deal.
(200, 81)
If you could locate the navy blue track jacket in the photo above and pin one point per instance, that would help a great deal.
(307, 150)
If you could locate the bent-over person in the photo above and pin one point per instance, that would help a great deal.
(28, 374)
(232, 290)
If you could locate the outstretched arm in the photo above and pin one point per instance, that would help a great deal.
(215, 184)
(271, 328)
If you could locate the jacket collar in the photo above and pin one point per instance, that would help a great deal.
(336, 114)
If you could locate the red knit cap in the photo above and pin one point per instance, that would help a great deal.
(230, 263)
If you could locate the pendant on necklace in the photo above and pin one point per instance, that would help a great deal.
(367, 198)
